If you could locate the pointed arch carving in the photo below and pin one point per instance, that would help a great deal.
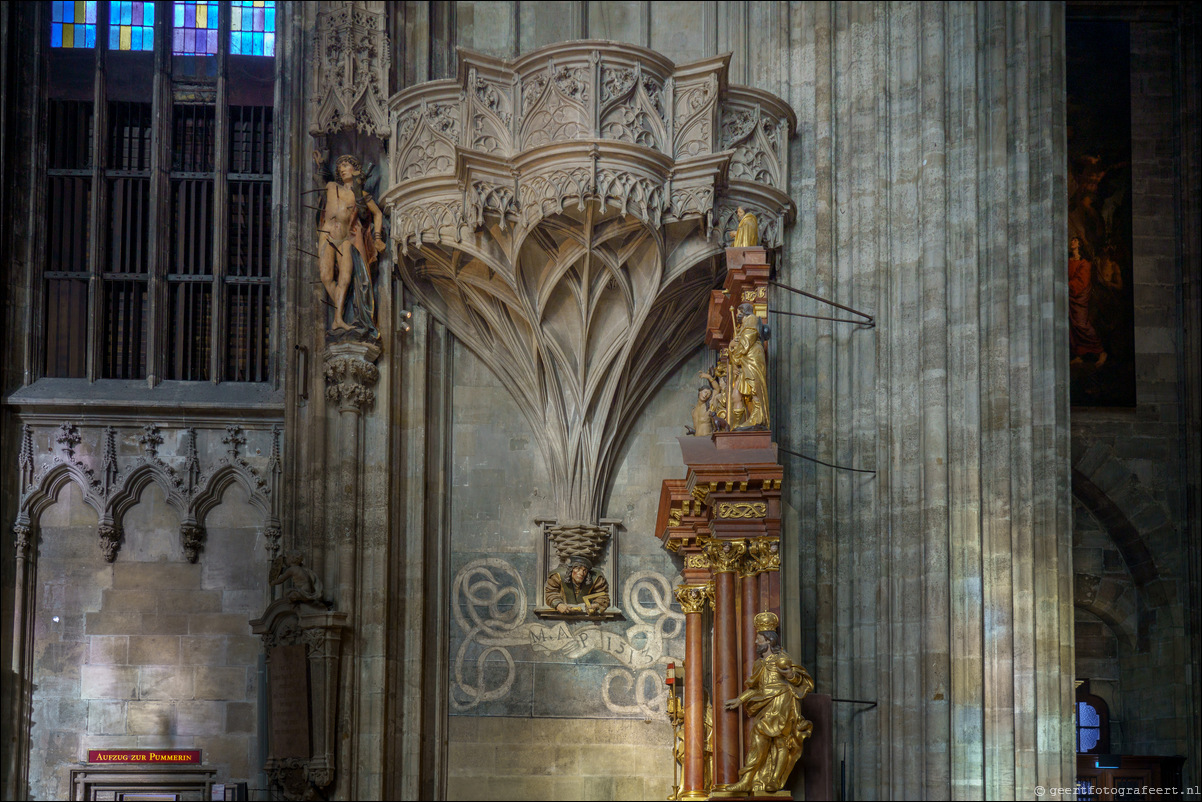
(114, 484)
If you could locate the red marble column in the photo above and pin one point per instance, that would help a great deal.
(724, 557)
(692, 600)
(749, 605)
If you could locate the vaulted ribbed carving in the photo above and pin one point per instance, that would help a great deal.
(557, 213)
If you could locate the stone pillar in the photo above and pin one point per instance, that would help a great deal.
(941, 586)
(724, 557)
(351, 373)
(692, 600)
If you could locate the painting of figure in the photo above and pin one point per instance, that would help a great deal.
(1101, 302)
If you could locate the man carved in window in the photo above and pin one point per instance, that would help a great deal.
(584, 591)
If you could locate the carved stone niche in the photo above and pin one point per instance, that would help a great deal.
(303, 646)
(597, 544)
(350, 62)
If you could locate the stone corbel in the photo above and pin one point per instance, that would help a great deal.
(110, 539)
(192, 537)
(351, 374)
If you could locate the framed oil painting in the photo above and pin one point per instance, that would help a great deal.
(1101, 301)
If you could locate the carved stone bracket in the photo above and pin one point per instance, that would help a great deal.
(192, 537)
(110, 539)
(351, 58)
(351, 374)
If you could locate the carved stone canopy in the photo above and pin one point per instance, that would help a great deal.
(558, 215)
(587, 120)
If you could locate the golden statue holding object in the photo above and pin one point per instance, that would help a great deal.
(747, 235)
(773, 696)
(749, 364)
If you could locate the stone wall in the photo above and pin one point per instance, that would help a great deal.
(540, 715)
(150, 651)
(1137, 458)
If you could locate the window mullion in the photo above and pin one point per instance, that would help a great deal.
(220, 200)
(160, 187)
(99, 202)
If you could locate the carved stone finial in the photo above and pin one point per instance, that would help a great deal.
(351, 373)
(150, 440)
(68, 438)
(234, 439)
(192, 536)
(191, 461)
(110, 539)
(25, 458)
(109, 459)
(22, 538)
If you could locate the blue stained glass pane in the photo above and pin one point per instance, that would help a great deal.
(236, 44)
(56, 15)
(1089, 739)
(178, 8)
(135, 38)
(127, 12)
(211, 44)
(190, 16)
(89, 39)
(269, 20)
(89, 11)
(1087, 716)
(114, 37)
(69, 11)
(257, 44)
(56, 34)
(148, 14)
(269, 44)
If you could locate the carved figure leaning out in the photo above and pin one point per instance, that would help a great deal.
(773, 697)
(583, 591)
(349, 238)
(306, 585)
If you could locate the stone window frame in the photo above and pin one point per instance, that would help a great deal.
(251, 361)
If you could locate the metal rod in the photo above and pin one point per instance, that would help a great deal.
(855, 702)
(870, 320)
(829, 465)
(822, 317)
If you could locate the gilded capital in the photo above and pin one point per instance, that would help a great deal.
(724, 555)
(765, 552)
(692, 598)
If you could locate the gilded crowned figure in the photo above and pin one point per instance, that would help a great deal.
(773, 697)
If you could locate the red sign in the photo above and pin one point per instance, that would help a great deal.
(144, 756)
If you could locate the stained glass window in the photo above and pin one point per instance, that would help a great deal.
(1089, 726)
(73, 23)
(195, 29)
(131, 25)
(252, 28)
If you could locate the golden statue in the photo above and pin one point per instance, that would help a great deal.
(773, 696)
(747, 235)
(749, 364)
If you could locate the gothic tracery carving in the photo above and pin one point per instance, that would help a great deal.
(351, 60)
(111, 484)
